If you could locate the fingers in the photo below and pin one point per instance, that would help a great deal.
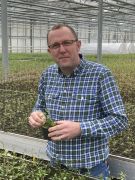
(64, 130)
(36, 119)
(55, 132)
(58, 138)
(58, 132)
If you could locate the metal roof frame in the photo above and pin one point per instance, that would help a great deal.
(77, 12)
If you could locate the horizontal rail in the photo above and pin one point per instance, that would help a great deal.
(35, 147)
(119, 164)
(30, 146)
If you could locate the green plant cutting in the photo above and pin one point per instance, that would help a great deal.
(48, 121)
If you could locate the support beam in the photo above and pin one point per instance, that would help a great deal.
(4, 29)
(100, 24)
(31, 36)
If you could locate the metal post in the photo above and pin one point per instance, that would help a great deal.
(25, 34)
(10, 36)
(100, 24)
(89, 33)
(31, 36)
(4, 26)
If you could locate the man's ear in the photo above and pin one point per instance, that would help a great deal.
(48, 50)
(79, 44)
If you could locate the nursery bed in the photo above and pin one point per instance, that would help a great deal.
(35, 147)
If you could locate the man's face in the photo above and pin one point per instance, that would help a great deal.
(64, 51)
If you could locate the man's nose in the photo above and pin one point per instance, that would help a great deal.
(61, 48)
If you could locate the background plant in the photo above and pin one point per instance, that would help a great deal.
(15, 166)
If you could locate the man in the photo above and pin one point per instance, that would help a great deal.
(84, 101)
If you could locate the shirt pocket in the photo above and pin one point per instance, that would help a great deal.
(80, 102)
(51, 100)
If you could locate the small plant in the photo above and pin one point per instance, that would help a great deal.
(48, 122)
(122, 176)
(15, 166)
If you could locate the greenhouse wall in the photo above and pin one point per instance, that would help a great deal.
(109, 48)
(31, 38)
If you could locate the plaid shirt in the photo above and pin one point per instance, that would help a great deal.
(89, 96)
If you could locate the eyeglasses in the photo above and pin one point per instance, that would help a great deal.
(63, 43)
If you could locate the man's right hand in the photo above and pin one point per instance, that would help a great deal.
(37, 119)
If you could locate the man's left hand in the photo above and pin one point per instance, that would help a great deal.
(64, 130)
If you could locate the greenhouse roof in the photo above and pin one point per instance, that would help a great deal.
(116, 13)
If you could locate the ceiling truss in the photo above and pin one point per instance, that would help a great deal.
(116, 13)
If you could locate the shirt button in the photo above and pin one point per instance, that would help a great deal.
(82, 98)
(62, 107)
(65, 91)
(56, 156)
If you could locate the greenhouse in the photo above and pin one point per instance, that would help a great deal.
(106, 29)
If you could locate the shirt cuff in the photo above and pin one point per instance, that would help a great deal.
(85, 129)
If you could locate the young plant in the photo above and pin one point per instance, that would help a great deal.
(48, 122)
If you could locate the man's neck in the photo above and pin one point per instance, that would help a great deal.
(67, 72)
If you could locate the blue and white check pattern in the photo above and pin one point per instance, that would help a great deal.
(89, 96)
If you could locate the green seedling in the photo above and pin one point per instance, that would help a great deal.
(48, 121)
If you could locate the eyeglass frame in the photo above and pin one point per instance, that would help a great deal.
(62, 43)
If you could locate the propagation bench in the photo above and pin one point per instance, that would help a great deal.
(35, 147)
